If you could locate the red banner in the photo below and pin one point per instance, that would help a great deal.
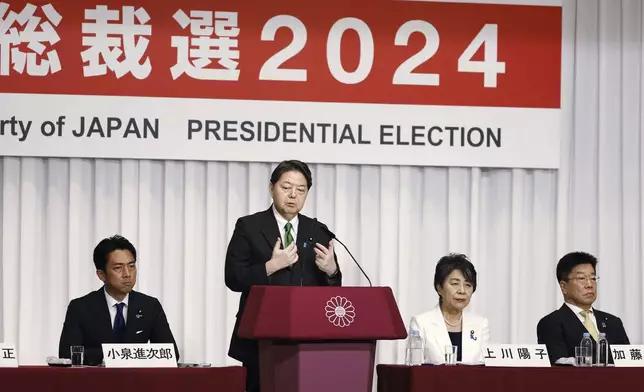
(395, 52)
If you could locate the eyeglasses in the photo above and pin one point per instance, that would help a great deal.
(584, 279)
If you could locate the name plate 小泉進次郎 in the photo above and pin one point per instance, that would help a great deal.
(137, 355)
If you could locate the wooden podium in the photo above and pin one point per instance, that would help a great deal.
(319, 338)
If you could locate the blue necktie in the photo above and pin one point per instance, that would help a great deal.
(119, 323)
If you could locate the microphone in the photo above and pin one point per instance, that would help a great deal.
(333, 237)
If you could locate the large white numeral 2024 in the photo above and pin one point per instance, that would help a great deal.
(490, 67)
(333, 47)
(404, 73)
(271, 69)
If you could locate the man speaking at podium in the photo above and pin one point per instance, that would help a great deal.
(278, 246)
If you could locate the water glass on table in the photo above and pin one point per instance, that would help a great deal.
(451, 353)
(582, 357)
(77, 354)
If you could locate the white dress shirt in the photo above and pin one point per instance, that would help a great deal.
(111, 305)
(576, 310)
(281, 222)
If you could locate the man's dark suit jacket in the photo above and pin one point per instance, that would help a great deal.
(88, 323)
(250, 247)
(561, 331)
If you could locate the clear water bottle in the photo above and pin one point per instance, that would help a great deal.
(414, 353)
(601, 356)
(587, 343)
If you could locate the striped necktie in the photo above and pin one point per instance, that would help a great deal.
(288, 234)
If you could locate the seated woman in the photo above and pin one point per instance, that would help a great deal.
(446, 324)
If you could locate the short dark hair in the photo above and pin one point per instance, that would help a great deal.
(109, 245)
(448, 264)
(571, 260)
(292, 165)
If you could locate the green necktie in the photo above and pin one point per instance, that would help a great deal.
(288, 234)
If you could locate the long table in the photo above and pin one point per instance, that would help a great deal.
(229, 379)
(399, 378)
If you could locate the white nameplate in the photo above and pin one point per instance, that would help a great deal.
(137, 355)
(625, 355)
(8, 355)
(516, 355)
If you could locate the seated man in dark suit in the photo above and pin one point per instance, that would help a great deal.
(268, 248)
(562, 330)
(115, 313)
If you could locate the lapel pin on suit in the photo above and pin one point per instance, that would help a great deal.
(472, 335)
(139, 314)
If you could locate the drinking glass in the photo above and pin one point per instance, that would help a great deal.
(77, 355)
(450, 355)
